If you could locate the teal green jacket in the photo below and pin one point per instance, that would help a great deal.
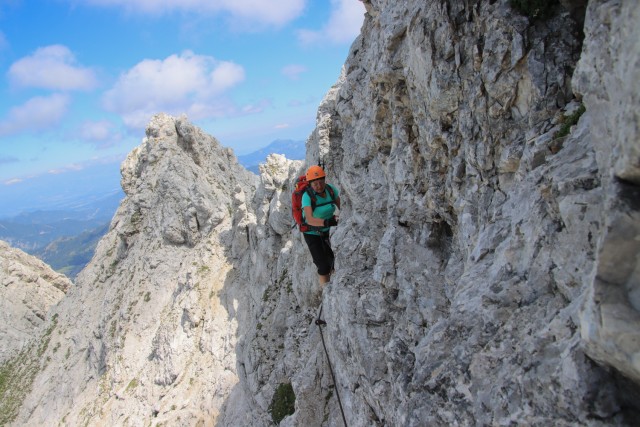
(322, 210)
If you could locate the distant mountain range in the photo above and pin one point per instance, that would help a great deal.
(61, 218)
(64, 239)
(69, 255)
(292, 150)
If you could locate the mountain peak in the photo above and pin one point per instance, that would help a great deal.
(291, 149)
(486, 264)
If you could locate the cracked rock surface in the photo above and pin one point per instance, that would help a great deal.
(487, 267)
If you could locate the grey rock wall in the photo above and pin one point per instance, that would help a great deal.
(487, 269)
(28, 288)
(608, 80)
(147, 336)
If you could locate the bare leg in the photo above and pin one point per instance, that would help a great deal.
(324, 279)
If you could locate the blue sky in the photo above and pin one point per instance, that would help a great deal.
(80, 79)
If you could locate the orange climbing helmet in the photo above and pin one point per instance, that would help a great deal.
(315, 172)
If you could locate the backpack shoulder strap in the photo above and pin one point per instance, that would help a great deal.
(331, 192)
(312, 196)
(314, 203)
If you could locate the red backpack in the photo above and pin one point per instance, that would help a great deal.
(302, 185)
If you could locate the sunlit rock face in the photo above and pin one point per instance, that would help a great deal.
(28, 288)
(487, 265)
(149, 332)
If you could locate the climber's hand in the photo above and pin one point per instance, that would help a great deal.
(332, 222)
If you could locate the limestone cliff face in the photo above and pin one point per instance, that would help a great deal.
(28, 288)
(148, 334)
(491, 259)
(487, 268)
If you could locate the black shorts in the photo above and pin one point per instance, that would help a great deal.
(320, 248)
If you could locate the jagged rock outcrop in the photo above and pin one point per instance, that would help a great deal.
(487, 268)
(28, 288)
(148, 333)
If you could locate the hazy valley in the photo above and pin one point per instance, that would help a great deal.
(62, 226)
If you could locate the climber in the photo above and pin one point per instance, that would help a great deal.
(319, 214)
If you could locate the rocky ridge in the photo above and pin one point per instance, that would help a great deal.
(28, 289)
(145, 334)
(487, 268)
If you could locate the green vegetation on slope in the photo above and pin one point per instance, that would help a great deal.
(283, 402)
(18, 373)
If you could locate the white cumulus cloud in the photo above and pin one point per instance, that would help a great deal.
(293, 71)
(343, 26)
(268, 12)
(51, 67)
(36, 114)
(224, 76)
(185, 83)
(96, 130)
(101, 133)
